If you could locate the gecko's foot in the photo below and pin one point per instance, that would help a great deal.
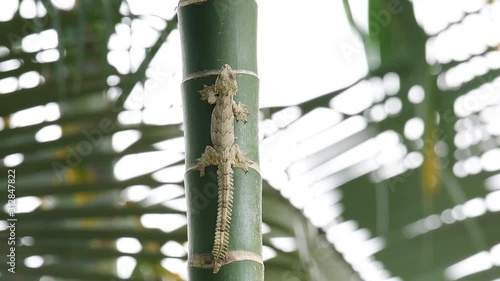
(209, 94)
(246, 166)
(241, 159)
(243, 162)
(209, 157)
(200, 166)
(241, 112)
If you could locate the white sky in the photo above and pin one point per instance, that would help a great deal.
(300, 50)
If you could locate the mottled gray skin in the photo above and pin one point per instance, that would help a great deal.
(224, 153)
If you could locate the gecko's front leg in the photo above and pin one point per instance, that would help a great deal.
(208, 158)
(209, 93)
(240, 111)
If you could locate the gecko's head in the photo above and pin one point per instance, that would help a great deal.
(226, 68)
(226, 82)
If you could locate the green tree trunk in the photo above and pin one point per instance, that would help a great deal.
(214, 33)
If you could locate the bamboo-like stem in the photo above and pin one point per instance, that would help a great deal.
(214, 33)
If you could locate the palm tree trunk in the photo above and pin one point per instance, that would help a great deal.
(215, 33)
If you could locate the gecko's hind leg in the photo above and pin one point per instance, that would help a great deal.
(241, 159)
(208, 158)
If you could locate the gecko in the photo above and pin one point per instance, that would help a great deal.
(225, 153)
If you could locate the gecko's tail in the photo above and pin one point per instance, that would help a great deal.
(217, 267)
(224, 211)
